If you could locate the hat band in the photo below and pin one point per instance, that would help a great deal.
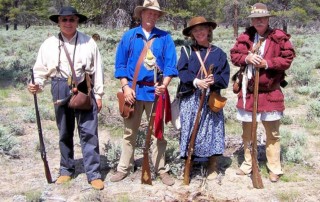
(260, 11)
(153, 8)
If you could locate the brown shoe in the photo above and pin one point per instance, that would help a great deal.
(240, 172)
(273, 177)
(63, 179)
(118, 176)
(97, 184)
(166, 179)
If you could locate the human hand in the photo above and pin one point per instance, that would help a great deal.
(99, 104)
(33, 88)
(253, 58)
(262, 64)
(205, 83)
(129, 94)
(160, 89)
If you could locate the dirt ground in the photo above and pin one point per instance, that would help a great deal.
(23, 179)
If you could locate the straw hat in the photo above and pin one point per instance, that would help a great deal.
(68, 10)
(259, 10)
(198, 21)
(148, 4)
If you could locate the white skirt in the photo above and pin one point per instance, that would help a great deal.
(246, 116)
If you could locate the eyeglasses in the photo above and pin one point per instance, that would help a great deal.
(68, 20)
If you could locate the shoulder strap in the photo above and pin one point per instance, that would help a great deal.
(203, 68)
(186, 48)
(138, 65)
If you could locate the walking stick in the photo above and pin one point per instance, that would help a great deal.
(42, 146)
(256, 177)
(146, 173)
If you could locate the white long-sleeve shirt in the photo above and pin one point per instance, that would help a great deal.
(86, 59)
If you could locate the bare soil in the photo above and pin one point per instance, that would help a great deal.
(23, 176)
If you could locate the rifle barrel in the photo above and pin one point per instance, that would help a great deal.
(146, 173)
(256, 177)
(42, 146)
(187, 168)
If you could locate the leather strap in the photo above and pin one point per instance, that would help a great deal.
(87, 77)
(203, 68)
(138, 65)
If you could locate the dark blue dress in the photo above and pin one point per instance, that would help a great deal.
(211, 133)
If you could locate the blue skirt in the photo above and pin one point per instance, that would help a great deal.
(211, 134)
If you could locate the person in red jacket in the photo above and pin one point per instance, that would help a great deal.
(272, 55)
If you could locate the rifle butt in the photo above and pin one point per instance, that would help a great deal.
(256, 176)
(187, 169)
(256, 180)
(146, 173)
(47, 172)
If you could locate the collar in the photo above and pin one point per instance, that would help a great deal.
(72, 40)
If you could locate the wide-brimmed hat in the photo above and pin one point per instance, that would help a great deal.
(259, 10)
(68, 10)
(198, 21)
(148, 4)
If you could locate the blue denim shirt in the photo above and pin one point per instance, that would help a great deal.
(128, 53)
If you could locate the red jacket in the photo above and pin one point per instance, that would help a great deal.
(279, 54)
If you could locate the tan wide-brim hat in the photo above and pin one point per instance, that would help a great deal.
(66, 11)
(259, 10)
(197, 21)
(148, 4)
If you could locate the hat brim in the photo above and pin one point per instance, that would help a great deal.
(259, 15)
(138, 9)
(186, 31)
(55, 18)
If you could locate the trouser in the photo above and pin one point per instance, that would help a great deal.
(87, 123)
(131, 127)
(272, 146)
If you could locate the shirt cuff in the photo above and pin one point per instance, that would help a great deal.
(247, 57)
(195, 81)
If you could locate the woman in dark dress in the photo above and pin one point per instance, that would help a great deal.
(211, 134)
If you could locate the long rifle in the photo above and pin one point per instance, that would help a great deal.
(187, 167)
(146, 173)
(42, 147)
(256, 177)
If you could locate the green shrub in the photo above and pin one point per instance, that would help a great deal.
(293, 146)
(7, 140)
(286, 120)
(112, 153)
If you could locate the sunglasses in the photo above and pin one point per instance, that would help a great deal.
(68, 20)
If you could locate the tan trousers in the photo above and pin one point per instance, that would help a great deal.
(272, 146)
(132, 125)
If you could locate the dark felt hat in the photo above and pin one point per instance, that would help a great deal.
(198, 21)
(68, 10)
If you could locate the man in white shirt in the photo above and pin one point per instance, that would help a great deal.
(52, 62)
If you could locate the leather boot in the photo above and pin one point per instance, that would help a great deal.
(212, 168)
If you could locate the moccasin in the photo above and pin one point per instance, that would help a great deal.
(273, 177)
(118, 176)
(97, 184)
(63, 179)
(166, 179)
(240, 172)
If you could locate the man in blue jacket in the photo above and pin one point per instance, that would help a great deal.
(160, 57)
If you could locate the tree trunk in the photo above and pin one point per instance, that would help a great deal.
(235, 20)
(284, 25)
(7, 23)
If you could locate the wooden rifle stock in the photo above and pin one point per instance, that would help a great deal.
(187, 167)
(42, 146)
(146, 173)
(256, 177)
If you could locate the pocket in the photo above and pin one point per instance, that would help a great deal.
(60, 90)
